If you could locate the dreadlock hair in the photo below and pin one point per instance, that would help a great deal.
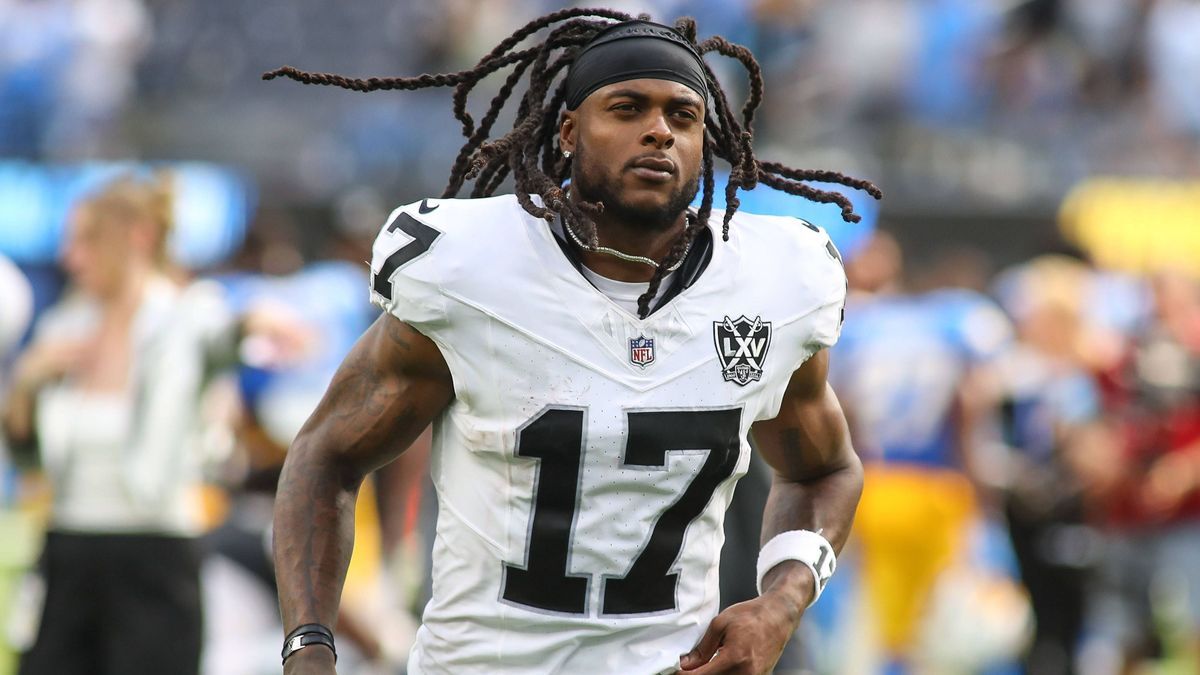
(529, 153)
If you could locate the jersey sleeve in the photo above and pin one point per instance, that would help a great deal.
(826, 281)
(405, 273)
(808, 285)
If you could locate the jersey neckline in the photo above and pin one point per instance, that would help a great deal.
(568, 265)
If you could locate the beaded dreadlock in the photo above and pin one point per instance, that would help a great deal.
(538, 167)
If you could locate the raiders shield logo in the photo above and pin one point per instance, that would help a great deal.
(742, 347)
(641, 351)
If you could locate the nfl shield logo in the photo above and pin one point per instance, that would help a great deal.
(641, 351)
(742, 347)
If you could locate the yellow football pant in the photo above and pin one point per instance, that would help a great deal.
(911, 525)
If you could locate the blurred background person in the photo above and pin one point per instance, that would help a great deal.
(1051, 414)
(912, 372)
(1145, 490)
(107, 392)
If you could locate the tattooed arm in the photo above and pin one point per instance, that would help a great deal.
(818, 477)
(389, 388)
(817, 482)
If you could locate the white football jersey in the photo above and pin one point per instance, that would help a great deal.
(584, 467)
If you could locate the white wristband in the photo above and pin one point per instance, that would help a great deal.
(804, 546)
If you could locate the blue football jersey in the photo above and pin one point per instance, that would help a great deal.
(899, 365)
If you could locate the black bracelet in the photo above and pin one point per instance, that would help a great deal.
(308, 634)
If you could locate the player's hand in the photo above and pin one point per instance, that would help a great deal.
(276, 336)
(749, 637)
(49, 360)
(314, 660)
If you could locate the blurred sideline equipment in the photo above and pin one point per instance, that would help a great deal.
(1136, 224)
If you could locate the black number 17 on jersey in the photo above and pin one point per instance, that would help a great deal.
(556, 438)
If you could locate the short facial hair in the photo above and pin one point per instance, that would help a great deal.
(606, 190)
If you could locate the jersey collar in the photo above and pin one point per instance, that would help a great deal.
(694, 263)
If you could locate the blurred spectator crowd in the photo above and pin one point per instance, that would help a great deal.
(991, 102)
(1043, 405)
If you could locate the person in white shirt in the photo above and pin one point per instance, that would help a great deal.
(107, 394)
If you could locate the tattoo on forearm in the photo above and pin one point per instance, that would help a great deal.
(314, 496)
(299, 522)
(367, 417)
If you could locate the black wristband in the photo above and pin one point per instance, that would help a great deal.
(308, 634)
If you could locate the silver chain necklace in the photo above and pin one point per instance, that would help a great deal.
(624, 256)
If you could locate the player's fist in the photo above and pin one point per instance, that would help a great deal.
(746, 639)
(749, 637)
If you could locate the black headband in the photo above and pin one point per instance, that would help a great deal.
(631, 50)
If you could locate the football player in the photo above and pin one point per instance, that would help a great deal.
(592, 360)
(914, 369)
